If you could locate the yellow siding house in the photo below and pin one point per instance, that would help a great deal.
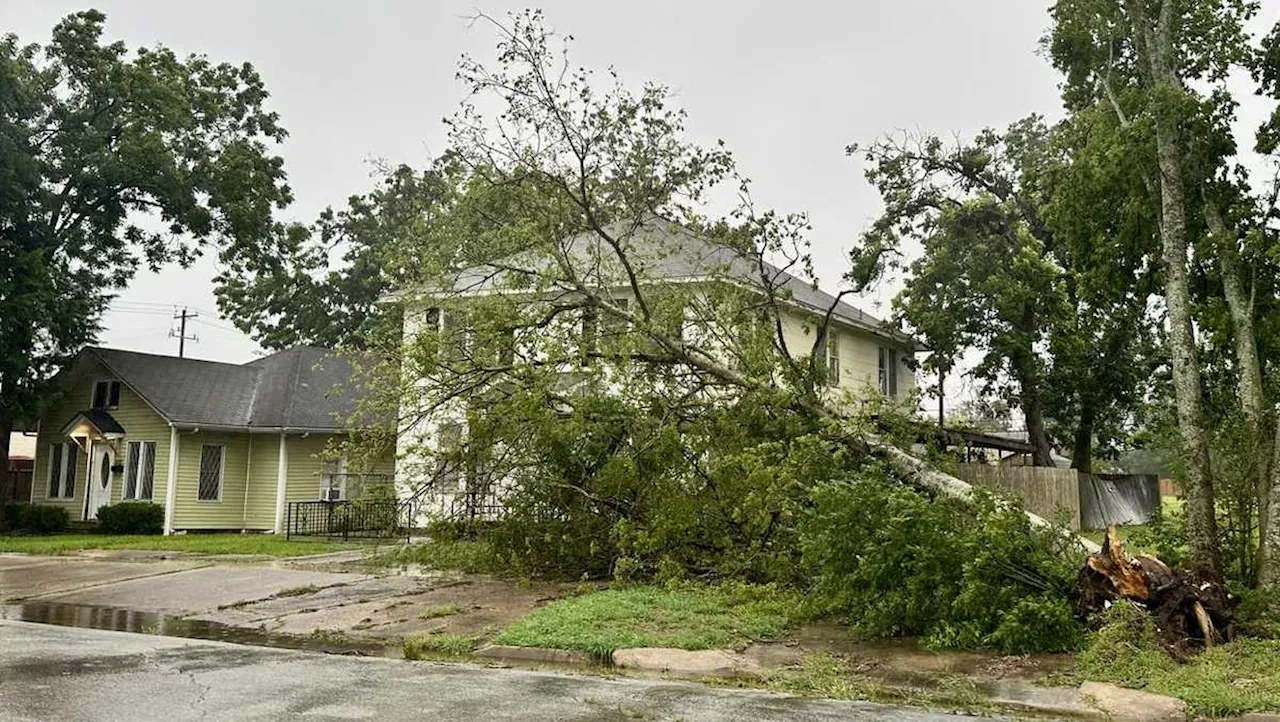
(219, 446)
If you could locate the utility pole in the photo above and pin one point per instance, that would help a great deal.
(181, 334)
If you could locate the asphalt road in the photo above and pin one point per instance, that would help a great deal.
(62, 674)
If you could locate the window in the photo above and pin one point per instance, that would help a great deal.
(888, 379)
(448, 474)
(212, 457)
(62, 470)
(833, 357)
(106, 395)
(139, 471)
(333, 479)
(589, 335)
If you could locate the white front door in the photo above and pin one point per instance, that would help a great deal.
(99, 480)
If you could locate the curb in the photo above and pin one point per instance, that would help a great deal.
(504, 653)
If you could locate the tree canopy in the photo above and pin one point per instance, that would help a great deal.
(113, 160)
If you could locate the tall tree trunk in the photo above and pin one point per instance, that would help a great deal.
(1202, 528)
(1269, 548)
(1156, 55)
(1025, 369)
(1249, 373)
(1082, 448)
(6, 479)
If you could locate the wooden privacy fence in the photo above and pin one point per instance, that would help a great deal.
(1045, 491)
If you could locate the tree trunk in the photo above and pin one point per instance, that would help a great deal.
(1156, 56)
(1269, 525)
(1024, 368)
(1082, 449)
(1202, 528)
(1249, 371)
(6, 479)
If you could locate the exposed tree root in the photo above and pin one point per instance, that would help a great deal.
(1192, 610)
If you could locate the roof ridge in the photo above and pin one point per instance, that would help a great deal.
(184, 359)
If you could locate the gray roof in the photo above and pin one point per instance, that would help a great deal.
(665, 251)
(293, 389)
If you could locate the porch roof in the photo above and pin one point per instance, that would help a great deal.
(97, 420)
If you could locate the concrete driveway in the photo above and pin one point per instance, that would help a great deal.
(56, 673)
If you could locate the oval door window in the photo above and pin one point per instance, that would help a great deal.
(106, 470)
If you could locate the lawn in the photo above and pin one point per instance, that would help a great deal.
(472, 556)
(688, 617)
(1230, 679)
(262, 544)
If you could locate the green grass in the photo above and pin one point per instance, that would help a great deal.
(437, 646)
(472, 556)
(1230, 679)
(439, 610)
(297, 591)
(262, 544)
(831, 677)
(690, 617)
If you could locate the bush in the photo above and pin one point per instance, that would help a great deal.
(978, 575)
(34, 518)
(8, 517)
(131, 517)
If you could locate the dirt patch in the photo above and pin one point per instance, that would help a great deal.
(484, 606)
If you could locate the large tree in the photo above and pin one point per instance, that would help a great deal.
(112, 160)
(1161, 67)
(1012, 267)
(323, 284)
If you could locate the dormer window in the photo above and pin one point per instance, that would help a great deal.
(106, 395)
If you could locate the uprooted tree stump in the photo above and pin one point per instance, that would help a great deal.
(1192, 611)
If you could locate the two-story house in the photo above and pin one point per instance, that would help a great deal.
(862, 355)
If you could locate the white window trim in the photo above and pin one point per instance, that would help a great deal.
(64, 452)
(831, 350)
(93, 394)
(341, 472)
(130, 471)
(222, 474)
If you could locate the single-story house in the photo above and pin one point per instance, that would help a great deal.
(219, 445)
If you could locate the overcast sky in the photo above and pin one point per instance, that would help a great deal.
(786, 85)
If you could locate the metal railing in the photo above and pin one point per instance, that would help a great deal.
(372, 518)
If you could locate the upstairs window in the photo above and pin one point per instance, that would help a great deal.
(888, 377)
(106, 395)
(832, 345)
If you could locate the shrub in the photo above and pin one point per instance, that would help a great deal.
(131, 517)
(977, 575)
(37, 518)
(8, 517)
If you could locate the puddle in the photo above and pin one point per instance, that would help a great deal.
(126, 620)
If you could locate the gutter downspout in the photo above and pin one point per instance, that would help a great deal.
(171, 484)
(248, 474)
(282, 480)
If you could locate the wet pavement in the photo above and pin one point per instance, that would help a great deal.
(23, 577)
(283, 603)
(60, 673)
(202, 589)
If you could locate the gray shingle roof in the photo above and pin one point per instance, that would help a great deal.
(292, 389)
(665, 251)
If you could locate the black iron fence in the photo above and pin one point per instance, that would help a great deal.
(372, 518)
